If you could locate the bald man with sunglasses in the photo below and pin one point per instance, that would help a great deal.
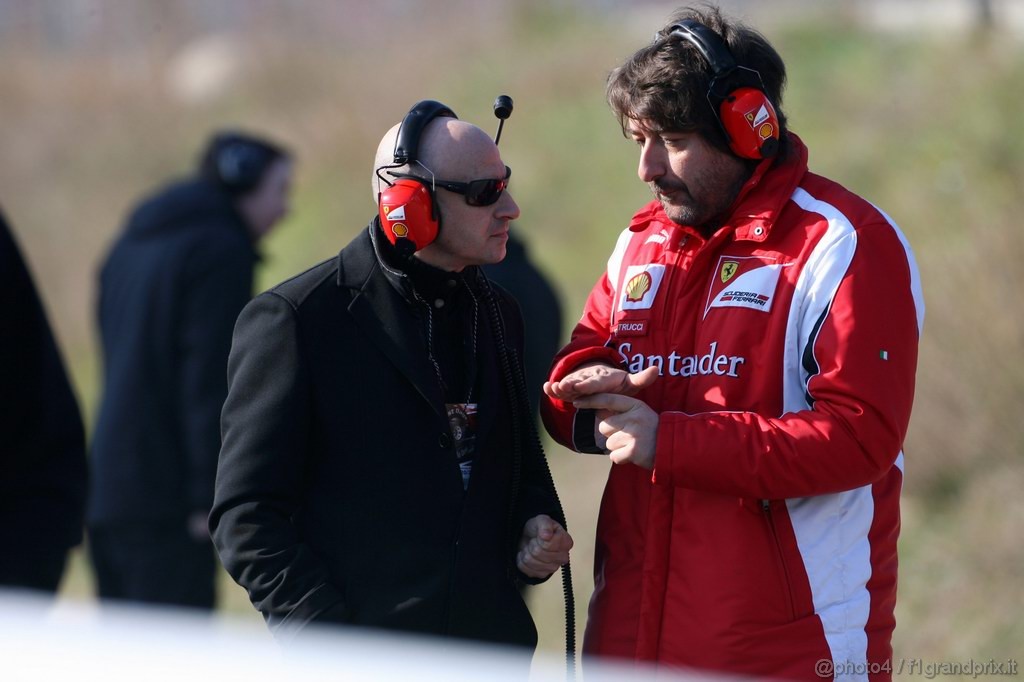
(379, 466)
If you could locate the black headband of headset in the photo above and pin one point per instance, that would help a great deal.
(409, 133)
(708, 43)
(726, 74)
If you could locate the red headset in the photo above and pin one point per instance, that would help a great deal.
(408, 211)
(736, 95)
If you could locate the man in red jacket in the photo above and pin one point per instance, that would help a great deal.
(747, 361)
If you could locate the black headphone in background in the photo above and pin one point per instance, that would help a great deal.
(239, 165)
(736, 94)
(408, 210)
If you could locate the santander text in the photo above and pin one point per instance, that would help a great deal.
(677, 365)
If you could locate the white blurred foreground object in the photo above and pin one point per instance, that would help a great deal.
(44, 642)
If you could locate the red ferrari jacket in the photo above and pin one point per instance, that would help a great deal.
(764, 543)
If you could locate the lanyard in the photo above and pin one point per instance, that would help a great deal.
(471, 367)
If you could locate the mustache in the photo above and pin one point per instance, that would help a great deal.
(662, 185)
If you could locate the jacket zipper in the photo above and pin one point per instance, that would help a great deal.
(769, 518)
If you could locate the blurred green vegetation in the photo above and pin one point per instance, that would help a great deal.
(926, 126)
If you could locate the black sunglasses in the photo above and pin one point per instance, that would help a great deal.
(477, 192)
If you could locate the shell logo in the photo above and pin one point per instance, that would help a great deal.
(766, 131)
(400, 229)
(638, 286)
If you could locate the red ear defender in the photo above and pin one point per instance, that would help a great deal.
(407, 214)
(751, 123)
(736, 94)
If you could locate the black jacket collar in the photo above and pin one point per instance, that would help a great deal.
(383, 305)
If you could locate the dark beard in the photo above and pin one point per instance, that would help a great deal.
(709, 224)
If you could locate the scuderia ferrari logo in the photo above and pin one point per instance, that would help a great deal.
(756, 117)
(397, 213)
(745, 282)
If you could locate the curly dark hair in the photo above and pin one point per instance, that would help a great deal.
(666, 83)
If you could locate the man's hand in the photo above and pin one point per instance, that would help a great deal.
(543, 547)
(630, 426)
(597, 377)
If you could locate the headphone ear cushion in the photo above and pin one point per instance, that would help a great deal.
(239, 166)
(406, 211)
(751, 123)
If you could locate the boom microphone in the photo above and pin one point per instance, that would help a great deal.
(502, 109)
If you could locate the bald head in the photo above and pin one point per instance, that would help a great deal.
(450, 148)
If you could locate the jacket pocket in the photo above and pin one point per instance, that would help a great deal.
(780, 558)
(310, 608)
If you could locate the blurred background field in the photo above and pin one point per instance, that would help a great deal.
(915, 105)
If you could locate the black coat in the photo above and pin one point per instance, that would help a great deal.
(42, 444)
(339, 498)
(170, 291)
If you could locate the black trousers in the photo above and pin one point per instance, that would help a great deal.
(153, 564)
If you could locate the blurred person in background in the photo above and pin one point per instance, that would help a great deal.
(42, 443)
(170, 290)
(542, 316)
(747, 361)
(541, 308)
(379, 466)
